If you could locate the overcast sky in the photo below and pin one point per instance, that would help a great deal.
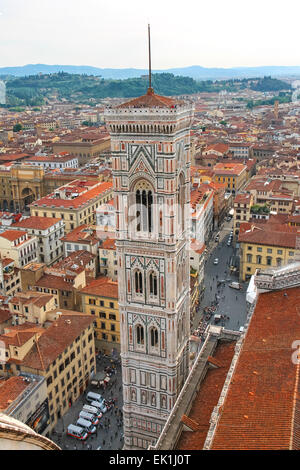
(113, 33)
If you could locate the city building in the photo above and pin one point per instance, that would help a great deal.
(20, 185)
(266, 244)
(232, 174)
(150, 144)
(201, 212)
(100, 299)
(108, 259)
(31, 307)
(75, 203)
(63, 280)
(240, 150)
(10, 277)
(242, 204)
(84, 146)
(50, 162)
(19, 246)
(106, 220)
(271, 192)
(63, 353)
(48, 232)
(24, 397)
(83, 237)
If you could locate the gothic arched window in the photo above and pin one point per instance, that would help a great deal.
(144, 208)
(153, 337)
(138, 280)
(140, 338)
(153, 283)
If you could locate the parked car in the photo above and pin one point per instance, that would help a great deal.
(216, 261)
(89, 417)
(92, 410)
(235, 285)
(77, 431)
(217, 318)
(86, 425)
(91, 396)
(100, 406)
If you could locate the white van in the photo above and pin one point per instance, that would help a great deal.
(89, 417)
(77, 431)
(92, 410)
(86, 425)
(91, 396)
(100, 406)
(235, 285)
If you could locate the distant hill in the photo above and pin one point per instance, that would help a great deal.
(196, 71)
(35, 90)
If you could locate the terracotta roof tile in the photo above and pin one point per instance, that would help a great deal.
(56, 338)
(10, 389)
(261, 410)
(102, 286)
(39, 223)
(207, 398)
(150, 100)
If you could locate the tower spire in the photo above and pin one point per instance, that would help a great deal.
(150, 89)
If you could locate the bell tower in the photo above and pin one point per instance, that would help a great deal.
(150, 144)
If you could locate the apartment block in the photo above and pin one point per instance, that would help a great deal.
(75, 203)
(100, 299)
(63, 354)
(19, 246)
(48, 232)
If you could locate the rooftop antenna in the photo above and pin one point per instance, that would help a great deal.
(150, 89)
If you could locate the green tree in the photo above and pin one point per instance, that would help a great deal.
(17, 127)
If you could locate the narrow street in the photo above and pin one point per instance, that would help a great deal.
(228, 301)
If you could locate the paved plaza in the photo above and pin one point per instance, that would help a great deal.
(109, 434)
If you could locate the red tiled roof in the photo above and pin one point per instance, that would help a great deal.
(4, 315)
(261, 409)
(242, 198)
(150, 100)
(102, 286)
(109, 244)
(78, 201)
(54, 282)
(81, 234)
(56, 338)
(17, 337)
(10, 389)
(13, 235)
(218, 147)
(229, 168)
(207, 398)
(34, 222)
(269, 234)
